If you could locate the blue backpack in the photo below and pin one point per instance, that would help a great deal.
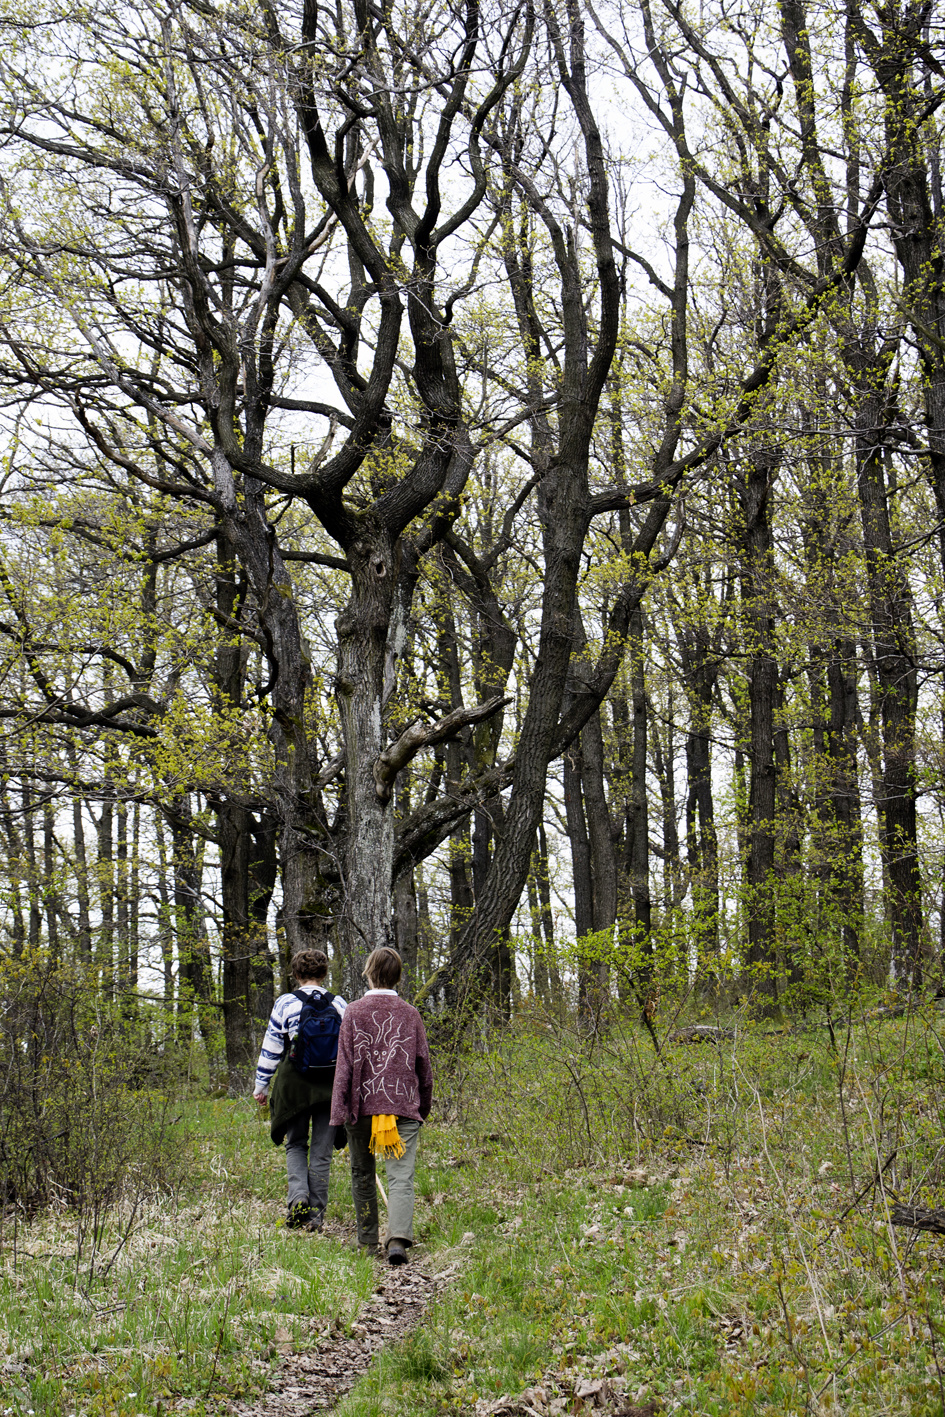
(314, 1049)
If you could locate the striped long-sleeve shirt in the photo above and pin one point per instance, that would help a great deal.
(282, 1027)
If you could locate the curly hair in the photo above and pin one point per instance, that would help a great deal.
(309, 964)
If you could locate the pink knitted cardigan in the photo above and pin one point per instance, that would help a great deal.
(383, 1062)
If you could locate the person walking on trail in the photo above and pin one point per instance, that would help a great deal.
(295, 1075)
(383, 1091)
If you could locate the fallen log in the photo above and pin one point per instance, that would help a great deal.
(918, 1218)
(701, 1033)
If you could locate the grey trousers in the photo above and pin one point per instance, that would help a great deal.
(400, 1174)
(308, 1164)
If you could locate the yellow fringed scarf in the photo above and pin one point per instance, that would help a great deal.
(385, 1138)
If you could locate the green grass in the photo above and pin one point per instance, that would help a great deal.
(201, 1301)
(721, 1279)
(683, 1228)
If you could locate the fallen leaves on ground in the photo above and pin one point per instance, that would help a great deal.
(316, 1380)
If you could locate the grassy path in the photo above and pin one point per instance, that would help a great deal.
(319, 1378)
(715, 1277)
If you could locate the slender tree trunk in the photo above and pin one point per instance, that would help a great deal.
(841, 745)
(165, 914)
(790, 809)
(425, 934)
(50, 891)
(700, 665)
(193, 951)
(236, 941)
(583, 884)
(263, 870)
(84, 924)
(543, 882)
(599, 828)
(105, 876)
(788, 845)
(134, 904)
(541, 984)
(406, 924)
(754, 489)
(233, 834)
(462, 899)
(702, 843)
(664, 767)
(637, 856)
(407, 929)
(32, 870)
(14, 872)
(602, 864)
(836, 820)
(461, 895)
(894, 657)
(121, 897)
(481, 842)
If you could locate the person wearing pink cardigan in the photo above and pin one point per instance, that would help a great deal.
(382, 1092)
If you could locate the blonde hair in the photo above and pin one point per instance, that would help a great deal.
(382, 968)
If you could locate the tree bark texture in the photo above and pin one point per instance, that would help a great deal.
(894, 658)
(701, 668)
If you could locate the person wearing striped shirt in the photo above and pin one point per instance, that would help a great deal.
(297, 1104)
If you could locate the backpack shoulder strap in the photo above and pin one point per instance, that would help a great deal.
(320, 1003)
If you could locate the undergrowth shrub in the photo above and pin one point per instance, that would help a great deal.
(780, 1273)
(558, 1096)
(86, 1116)
(561, 1098)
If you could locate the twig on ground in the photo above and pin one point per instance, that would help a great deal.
(870, 1186)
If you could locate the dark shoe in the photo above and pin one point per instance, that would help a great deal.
(299, 1216)
(396, 1252)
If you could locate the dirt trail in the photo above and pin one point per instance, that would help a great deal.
(317, 1380)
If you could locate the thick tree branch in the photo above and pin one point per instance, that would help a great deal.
(419, 736)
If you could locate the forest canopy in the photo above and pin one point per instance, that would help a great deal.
(474, 480)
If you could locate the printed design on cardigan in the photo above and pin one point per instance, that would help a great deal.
(380, 1051)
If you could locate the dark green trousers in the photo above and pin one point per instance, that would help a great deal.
(400, 1174)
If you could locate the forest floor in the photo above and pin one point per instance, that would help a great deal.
(317, 1379)
(602, 1234)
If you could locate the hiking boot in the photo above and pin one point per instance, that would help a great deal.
(299, 1216)
(396, 1252)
